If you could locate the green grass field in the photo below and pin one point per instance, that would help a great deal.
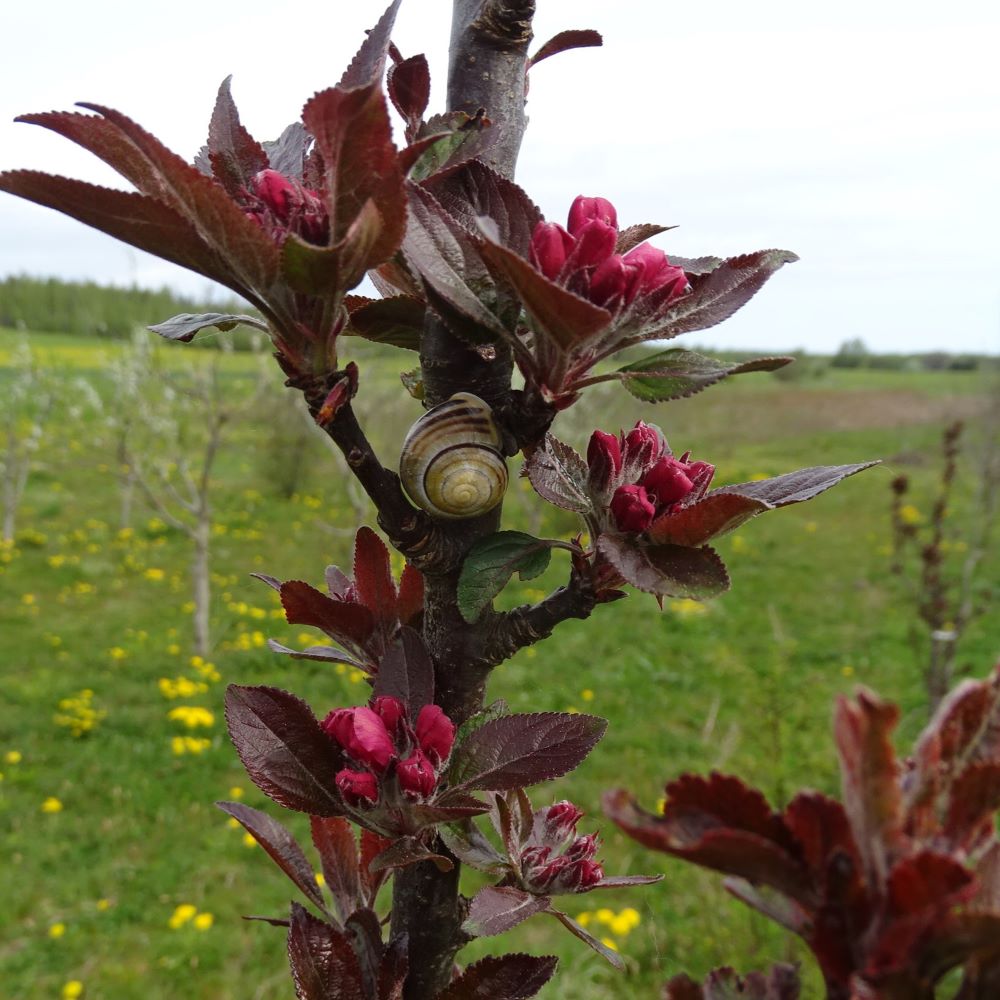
(104, 835)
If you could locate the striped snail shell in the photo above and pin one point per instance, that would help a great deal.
(452, 463)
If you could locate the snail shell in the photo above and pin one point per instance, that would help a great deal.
(452, 464)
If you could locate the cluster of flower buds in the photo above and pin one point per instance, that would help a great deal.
(555, 860)
(283, 205)
(584, 260)
(387, 751)
(641, 476)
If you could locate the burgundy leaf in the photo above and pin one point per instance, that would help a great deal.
(235, 155)
(447, 257)
(449, 809)
(717, 295)
(305, 605)
(334, 839)
(494, 910)
(677, 373)
(870, 776)
(240, 242)
(398, 321)
(409, 86)
(324, 965)
(280, 845)
(365, 931)
(666, 570)
(782, 983)
(285, 752)
(630, 237)
(928, 881)
(516, 751)
(578, 38)
(795, 487)
(184, 326)
(721, 824)
(406, 672)
(973, 800)
(560, 316)
(393, 969)
(588, 939)
(473, 191)
(372, 844)
(373, 575)
(623, 881)
(408, 851)
(354, 137)
(819, 826)
(715, 515)
(368, 64)
(410, 602)
(501, 977)
(559, 475)
(133, 218)
(683, 988)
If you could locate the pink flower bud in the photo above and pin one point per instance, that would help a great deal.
(584, 209)
(558, 823)
(595, 243)
(656, 271)
(435, 733)
(643, 443)
(632, 508)
(667, 481)
(604, 458)
(582, 848)
(416, 775)
(550, 246)
(607, 285)
(277, 192)
(390, 710)
(700, 474)
(357, 786)
(362, 734)
(591, 873)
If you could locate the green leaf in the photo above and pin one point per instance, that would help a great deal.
(676, 373)
(492, 562)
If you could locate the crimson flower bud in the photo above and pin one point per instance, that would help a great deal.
(582, 848)
(604, 458)
(277, 192)
(643, 442)
(595, 243)
(550, 246)
(558, 822)
(362, 734)
(435, 733)
(390, 710)
(584, 209)
(590, 873)
(700, 474)
(607, 285)
(632, 508)
(668, 481)
(656, 271)
(416, 774)
(357, 786)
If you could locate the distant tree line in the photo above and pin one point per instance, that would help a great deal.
(854, 353)
(55, 306)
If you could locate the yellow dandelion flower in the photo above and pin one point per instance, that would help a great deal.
(236, 792)
(609, 943)
(56, 561)
(587, 695)
(155, 574)
(685, 607)
(28, 599)
(203, 921)
(13, 757)
(52, 805)
(117, 653)
(320, 880)
(847, 670)
(57, 930)
(72, 990)
(909, 514)
(191, 716)
(758, 477)
(233, 823)
(181, 915)
(584, 918)
(604, 916)
(248, 840)
(103, 904)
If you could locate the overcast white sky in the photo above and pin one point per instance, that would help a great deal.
(863, 135)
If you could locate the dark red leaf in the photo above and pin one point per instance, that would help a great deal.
(717, 514)
(577, 38)
(398, 321)
(372, 844)
(393, 969)
(717, 295)
(623, 881)
(369, 62)
(560, 316)
(324, 966)
(449, 809)
(666, 570)
(501, 977)
(235, 155)
(410, 602)
(559, 475)
(284, 751)
(342, 621)
(406, 672)
(373, 576)
(683, 988)
(409, 86)
(354, 137)
(334, 839)
(819, 825)
(973, 800)
(494, 910)
(408, 851)
(280, 845)
(870, 775)
(795, 487)
(365, 931)
(632, 236)
(927, 881)
(515, 751)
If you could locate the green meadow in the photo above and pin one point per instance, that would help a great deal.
(118, 871)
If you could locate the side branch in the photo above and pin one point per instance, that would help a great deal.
(528, 624)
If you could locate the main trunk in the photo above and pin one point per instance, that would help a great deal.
(487, 70)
